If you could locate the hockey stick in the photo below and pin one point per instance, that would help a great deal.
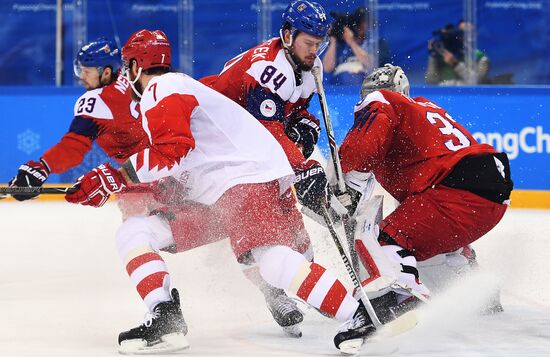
(14, 190)
(351, 272)
(395, 327)
(348, 222)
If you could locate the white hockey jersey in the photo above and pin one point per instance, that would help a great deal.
(205, 140)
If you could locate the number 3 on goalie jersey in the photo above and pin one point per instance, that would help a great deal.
(448, 129)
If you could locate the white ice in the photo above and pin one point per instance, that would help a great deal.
(64, 292)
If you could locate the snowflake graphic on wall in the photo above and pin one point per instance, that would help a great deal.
(28, 141)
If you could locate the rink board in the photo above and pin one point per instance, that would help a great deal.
(513, 119)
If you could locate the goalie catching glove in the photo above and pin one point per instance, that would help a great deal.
(311, 186)
(95, 187)
(31, 174)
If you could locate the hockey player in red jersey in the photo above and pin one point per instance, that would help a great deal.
(273, 82)
(222, 159)
(451, 189)
(105, 114)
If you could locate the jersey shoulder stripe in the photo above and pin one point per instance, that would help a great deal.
(371, 98)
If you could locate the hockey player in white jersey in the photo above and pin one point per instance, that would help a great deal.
(223, 159)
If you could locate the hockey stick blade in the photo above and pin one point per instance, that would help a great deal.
(14, 190)
(400, 325)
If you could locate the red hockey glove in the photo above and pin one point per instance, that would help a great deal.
(95, 187)
(312, 189)
(31, 174)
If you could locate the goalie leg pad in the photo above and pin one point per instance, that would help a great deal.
(383, 265)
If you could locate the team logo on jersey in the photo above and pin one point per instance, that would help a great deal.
(268, 108)
(301, 7)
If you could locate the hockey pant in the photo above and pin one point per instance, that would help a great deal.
(441, 220)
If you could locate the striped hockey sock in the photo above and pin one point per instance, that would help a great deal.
(149, 275)
(287, 269)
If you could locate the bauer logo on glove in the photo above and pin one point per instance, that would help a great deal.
(95, 187)
(308, 173)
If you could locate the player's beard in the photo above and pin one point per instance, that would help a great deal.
(301, 65)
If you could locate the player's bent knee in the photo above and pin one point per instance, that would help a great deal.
(134, 232)
(279, 265)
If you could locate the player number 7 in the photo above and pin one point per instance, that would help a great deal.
(448, 129)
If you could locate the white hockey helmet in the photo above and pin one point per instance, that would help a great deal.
(389, 77)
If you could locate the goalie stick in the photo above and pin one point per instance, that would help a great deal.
(395, 327)
(351, 272)
(346, 219)
(14, 190)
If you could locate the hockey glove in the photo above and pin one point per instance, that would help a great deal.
(31, 174)
(360, 186)
(95, 187)
(305, 134)
(312, 189)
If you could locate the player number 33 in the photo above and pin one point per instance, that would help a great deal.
(448, 129)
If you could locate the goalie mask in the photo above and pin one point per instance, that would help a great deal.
(389, 77)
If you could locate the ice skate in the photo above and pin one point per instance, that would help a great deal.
(353, 333)
(285, 311)
(163, 332)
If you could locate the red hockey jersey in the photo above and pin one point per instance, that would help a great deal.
(263, 82)
(409, 144)
(107, 115)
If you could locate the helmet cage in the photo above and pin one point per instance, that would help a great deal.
(388, 77)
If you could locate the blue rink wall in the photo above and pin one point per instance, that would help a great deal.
(512, 119)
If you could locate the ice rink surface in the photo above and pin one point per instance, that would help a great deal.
(65, 293)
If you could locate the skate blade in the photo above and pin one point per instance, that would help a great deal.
(351, 347)
(171, 343)
(293, 331)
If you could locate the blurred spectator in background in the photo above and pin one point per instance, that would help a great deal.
(347, 58)
(446, 63)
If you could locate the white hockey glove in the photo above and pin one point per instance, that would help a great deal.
(360, 186)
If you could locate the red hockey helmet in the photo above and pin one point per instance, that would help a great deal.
(149, 48)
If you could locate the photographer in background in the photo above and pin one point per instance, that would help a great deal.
(446, 64)
(346, 58)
